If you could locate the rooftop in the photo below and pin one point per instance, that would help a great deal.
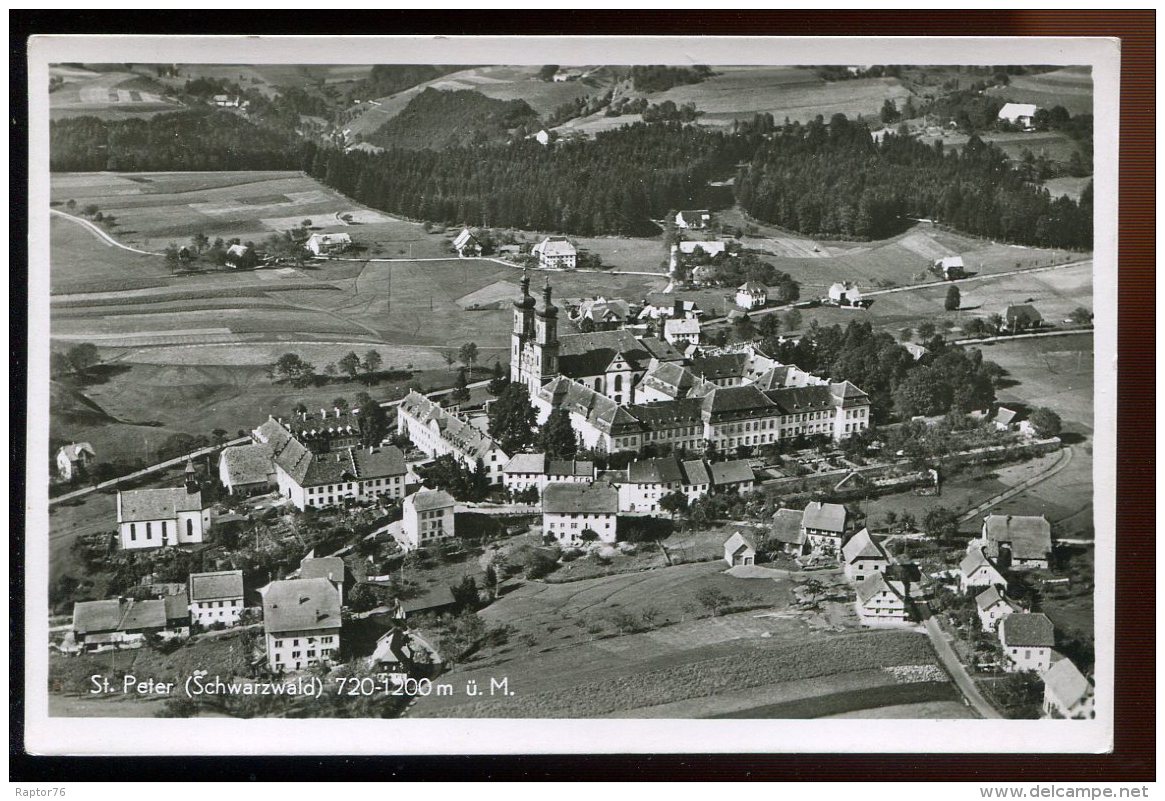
(429, 500)
(824, 516)
(1033, 629)
(247, 464)
(300, 604)
(216, 586)
(1064, 682)
(1030, 535)
(862, 546)
(156, 504)
(787, 526)
(594, 498)
(732, 472)
(325, 567)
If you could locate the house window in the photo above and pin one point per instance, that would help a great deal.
(189, 527)
(148, 534)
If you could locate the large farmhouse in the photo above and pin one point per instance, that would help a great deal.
(301, 623)
(569, 511)
(1018, 541)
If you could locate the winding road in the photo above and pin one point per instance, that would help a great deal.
(102, 235)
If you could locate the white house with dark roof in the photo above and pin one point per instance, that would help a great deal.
(301, 623)
(74, 459)
(862, 555)
(992, 606)
(1067, 692)
(428, 519)
(1018, 541)
(215, 597)
(437, 431)
(845, 294)
(1027, 639)
(740, 549)
(824, 525)
(752, 295)
(246, 469)
(568, 510)
(155, 518)
(556, 253)
(527, 470)
(886, 597)
(681, 330)
(320, 480)
(788, 532)
(977, 571)
(328, 244)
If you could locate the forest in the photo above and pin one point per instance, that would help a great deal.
(436, 120)
(836, 181)
(614, 184)
(200, 139)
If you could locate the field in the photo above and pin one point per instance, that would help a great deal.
(267, 78)
(1070, 87)
(108, 95)
(1067, 187)
(1055, 145)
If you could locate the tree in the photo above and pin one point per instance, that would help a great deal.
(460, 393)
(792, 319)
(712, 599)
(589, 535)
(587, 326)
(512, 419)
(890, 112)
(449, 357)
(953, 300)
(362, 598)
(498, 382)
(815, 589)
(70, 204)
(465, 593)
(547, 72)
(340, 403)
(926, 330)
(890, 520)
(199, 242)
(906, 334)
(372, 363)
(744, 329)
(350, 363)
(468, 353)
(1045, 422)
(940, 523)
(557, 438)
(1081, 316)
(82, 356)
(294, 369)
(675, 503)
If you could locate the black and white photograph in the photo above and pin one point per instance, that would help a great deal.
(757, 387)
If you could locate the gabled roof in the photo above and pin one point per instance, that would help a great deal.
(664, 470)
(463, 437)
(729, 401)
(571, 498)
(238, 250)
(300, 604)
(733, 472)
(1010, 111)
(215, 586)
(989, 597)
(326, 567)
(97, 616)
(576, 468)
(1064, 682)
(695, 473)
(1030, 535)
(1005, 416)
(753, 287)
(383, 461)
(272, 433)
(599, 410)
(799, 400)
(739, 541)
(555, 246)
(723, 365)
(711, 247)
(143, 615)
(787, 526)
(862, 546)
(177, 607)
(824, 517)
(677, 326)
(974, 560)
(331, 239)
(430, 500)
(947, 262)
(247, 464)
(1033, 629)
(156, 504)
(524, 463)
(873, 584)
(464, 238)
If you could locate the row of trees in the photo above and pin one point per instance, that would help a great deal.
(293, 368)
(835, 180)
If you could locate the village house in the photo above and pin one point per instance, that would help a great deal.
(610, 362)
(681, 331)
(226, 101)
(74, 460)
(1021, 317)
(845, 294)
(735, 475)
(662, 305)
(739, 549)
(603, 314)
(1027, 639)
(1067, 692)
(887, 597)
(788, 532)
(301, 623)
(949, 268)
(752, 295)
(862, 555)
(543, 137)
(121, 623)
(992, 606)
(241, 257)
(329, 479)
(328, 244)
(528, 470)
(331, 568)
(428, 519)
(695, 248)
(556, 253)
(977, 571)
(824, 525)
(693, 219)
(155, 518)
(247, 469)
(466, 244)
(215, 597)
(1005, 418)
(1021, 115)
(570, 510)
(437, 431)
(1018, 541)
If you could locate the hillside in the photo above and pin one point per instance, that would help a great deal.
(436, 120)
(70, 405)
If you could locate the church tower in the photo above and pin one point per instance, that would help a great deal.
(546, 337)
(523, 332)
